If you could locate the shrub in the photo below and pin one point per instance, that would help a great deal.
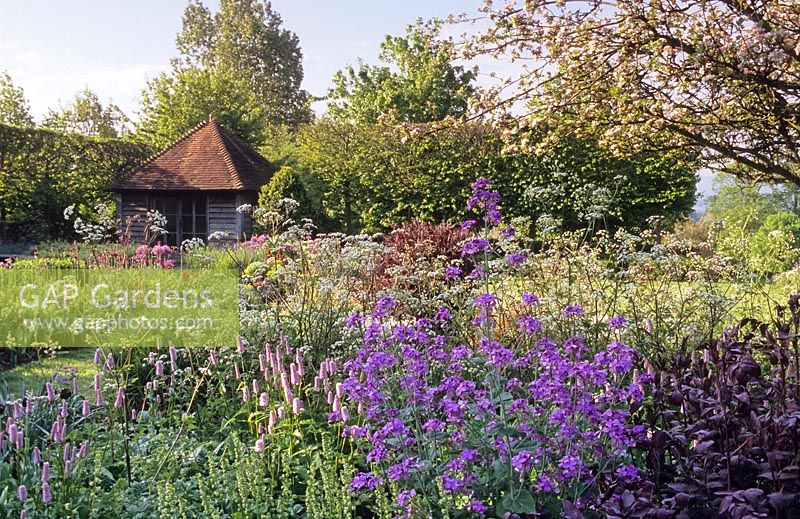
(289, 182)
(418, 246)
(775, 247)
(727, 416)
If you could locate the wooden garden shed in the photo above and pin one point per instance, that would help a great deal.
(197, 183)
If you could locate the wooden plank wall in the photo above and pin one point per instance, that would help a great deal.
(222, 215)
(132, 210)
(245, 219)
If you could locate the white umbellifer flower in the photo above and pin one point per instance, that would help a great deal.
(245, 208)
(192, 244)
(289, 204)
(69, 211)
(218, 236)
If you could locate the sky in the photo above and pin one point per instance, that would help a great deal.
(54, 48)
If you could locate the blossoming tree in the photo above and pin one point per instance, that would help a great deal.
(721, 77)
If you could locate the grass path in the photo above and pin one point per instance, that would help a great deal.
(32, 376)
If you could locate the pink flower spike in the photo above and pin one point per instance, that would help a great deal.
(297, 405)
(120, 397)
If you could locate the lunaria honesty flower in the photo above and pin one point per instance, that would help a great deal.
(530, 299)
(617, 322)
(572, 311)
(365, 480)
(517, 258)
(452, 272)
(473, 246)
(485, 301)
(485, 199)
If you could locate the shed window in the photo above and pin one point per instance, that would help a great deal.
(194, 221)
(187, 216)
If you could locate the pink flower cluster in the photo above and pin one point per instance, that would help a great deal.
(157, 255)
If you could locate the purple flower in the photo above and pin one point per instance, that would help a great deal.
(545, 484)
(529, 325)
(572, 311)
(120, 397)
(575, 346)
(355, 319)
(384, 307)
(645, 378)
(22, 493)
(469, 455)
(452, 484)
(47, 496)
(617, 323)
(404, 498)
(51, 394)
(485, 301)
(476, 273)
(98, 390)
(452, 272)
(443, 314)
(516, 258)
(493, 216)
(484, 198)
(522, 462)
(466, 225)
(434, 424)
(628, 473)
(473, 246)
(530, 299)
(570, 466)
(508, 232)
(365, 480)
(402, 470)
(477, 507)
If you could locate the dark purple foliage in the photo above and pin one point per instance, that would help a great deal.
(727, 435)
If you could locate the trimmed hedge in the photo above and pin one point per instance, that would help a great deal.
(42, 172)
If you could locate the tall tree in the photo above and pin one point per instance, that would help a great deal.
(174, 103)
(14, 107)
(418, 82)
(246, 40)
(721, 76)
(86, 114)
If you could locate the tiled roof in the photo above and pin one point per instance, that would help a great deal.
(209, 157)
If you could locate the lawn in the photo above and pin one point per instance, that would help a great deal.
(31, 376)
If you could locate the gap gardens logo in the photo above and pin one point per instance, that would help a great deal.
(93, 308)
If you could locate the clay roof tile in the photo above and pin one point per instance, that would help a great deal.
(209, 157)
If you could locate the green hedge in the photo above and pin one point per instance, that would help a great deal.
(42, 172)
(377, 176)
